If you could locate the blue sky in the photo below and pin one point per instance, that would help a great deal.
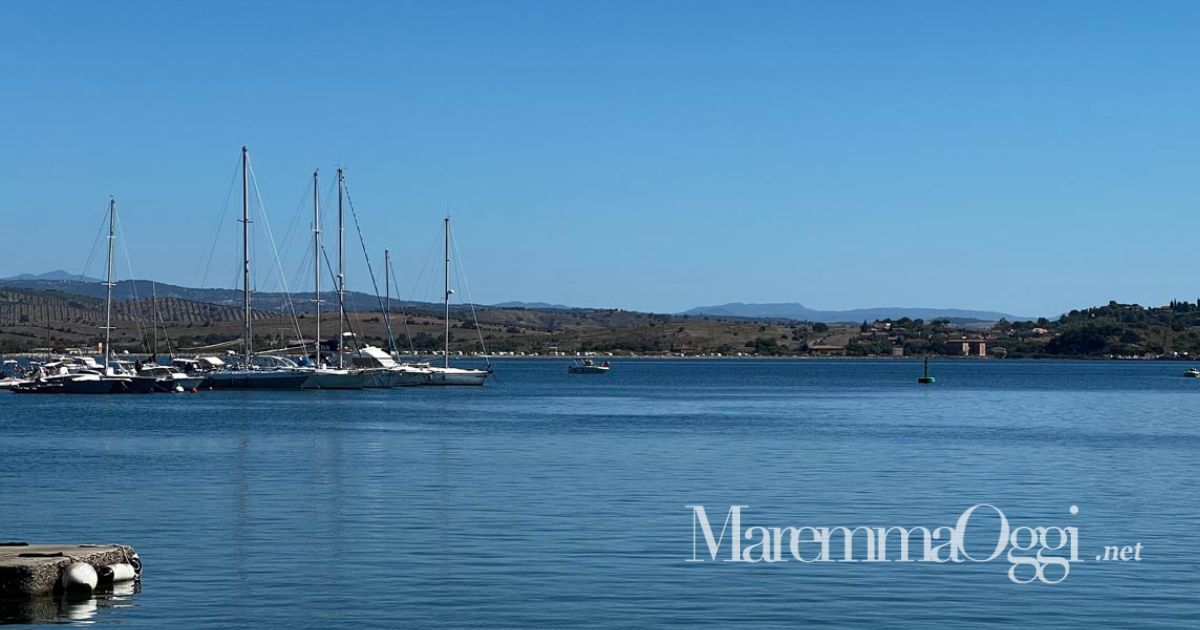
(1027, 157)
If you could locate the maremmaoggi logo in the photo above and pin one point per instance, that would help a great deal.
(1035, 554)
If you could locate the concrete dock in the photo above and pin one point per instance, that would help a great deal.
(28, 571)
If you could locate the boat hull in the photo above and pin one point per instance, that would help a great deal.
(256, 379)
(408, 377)
(97, 386)
(336, 379)
(38, 388)
(456, 377)
(189, 383)
(377, 378)
(143, 385)
(170, 385)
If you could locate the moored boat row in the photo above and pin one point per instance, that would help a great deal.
(362, 367)
(372, 368)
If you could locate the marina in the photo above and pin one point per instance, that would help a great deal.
(329, 366)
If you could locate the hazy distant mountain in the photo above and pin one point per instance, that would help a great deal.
(56, 275)
(538, 305)
(801, 312)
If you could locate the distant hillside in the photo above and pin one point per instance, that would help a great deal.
(800, 312)
(55, 318)
(267, 301)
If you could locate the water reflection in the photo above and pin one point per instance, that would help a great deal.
(71, 609)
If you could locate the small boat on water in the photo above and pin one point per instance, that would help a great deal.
(1192, 373)
(588, 366)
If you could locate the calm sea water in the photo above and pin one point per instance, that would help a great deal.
(548, 500)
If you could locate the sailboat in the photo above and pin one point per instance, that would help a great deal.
(103, 380)
(446, 375)
(248, 375)
(324, 376)
(396, 374)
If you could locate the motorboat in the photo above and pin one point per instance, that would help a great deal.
(99, 383)
(76, 375)
(588, 366)
(168, 378)
(1192, 373)
(12, 375)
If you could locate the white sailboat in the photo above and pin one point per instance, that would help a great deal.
(386, 372)
(398, 374)
(324, 376)
(106, 381)
(446, 375)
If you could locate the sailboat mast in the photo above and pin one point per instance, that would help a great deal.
(246, 330)
(387, 297)
(341, 270)
(154, 324)
(446, 286)
(317, 264)
(112, 235)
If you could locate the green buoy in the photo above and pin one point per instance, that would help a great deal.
(926, 379)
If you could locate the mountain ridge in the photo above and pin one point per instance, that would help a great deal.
(799, 312)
